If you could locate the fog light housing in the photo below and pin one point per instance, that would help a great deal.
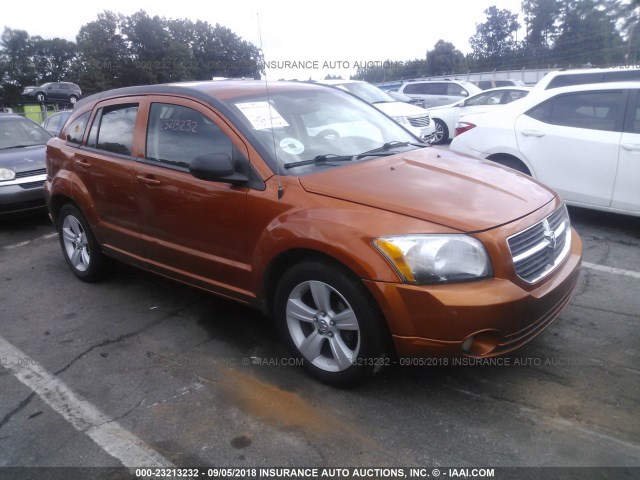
(481, 343)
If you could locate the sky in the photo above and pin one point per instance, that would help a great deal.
(327, 36)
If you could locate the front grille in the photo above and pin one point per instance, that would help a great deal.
(32, 184)
(540, 248)
(422, 121)
(31, 173)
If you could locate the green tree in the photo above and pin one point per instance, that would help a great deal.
(541, 21)
(445, 58)
(103, 54)
(588, 36)
(16, 57)
(494, 43)
(54, 59)
(627, 12)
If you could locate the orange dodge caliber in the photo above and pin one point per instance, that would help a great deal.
(303, 201)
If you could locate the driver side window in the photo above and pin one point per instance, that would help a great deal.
(176, 135)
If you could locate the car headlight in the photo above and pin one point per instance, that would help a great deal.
(435, 258)
(402, 120)
(6, 174)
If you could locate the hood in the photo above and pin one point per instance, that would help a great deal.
(23, 159)
(400, 109)
(435, 185)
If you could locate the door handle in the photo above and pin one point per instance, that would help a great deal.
(83, 163)
(631, 147)
(148, 180)
(532, 133)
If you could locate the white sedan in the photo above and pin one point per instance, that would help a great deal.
(583, 141)
(446, 117)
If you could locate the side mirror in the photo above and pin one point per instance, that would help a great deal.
(216, 167)
(460, 103)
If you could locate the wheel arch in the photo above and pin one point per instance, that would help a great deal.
(508, 160)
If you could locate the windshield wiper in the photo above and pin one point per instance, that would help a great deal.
(321, 159)
(394, 144)
(330, 157)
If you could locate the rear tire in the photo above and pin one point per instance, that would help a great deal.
(79, 246)
(328, 319)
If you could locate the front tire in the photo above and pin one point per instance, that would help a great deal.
(328, 319)
(79, 246)
(73, 99)
(41, 97)
(441, 135)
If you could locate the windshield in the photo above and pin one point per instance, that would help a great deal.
(300, 126)
(367, 92)
(20, 132)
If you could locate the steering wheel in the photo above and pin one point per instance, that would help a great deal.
(328, 134)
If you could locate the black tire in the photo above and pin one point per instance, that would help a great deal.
(73, 99)
(340, 352)
(41, 97)
(441, 135)
(79, 246)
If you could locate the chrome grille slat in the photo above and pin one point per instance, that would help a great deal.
(423, 121)
(539, 249)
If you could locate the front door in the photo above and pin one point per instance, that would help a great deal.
(191, 229)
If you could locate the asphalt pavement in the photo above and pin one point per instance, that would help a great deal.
(142, 369)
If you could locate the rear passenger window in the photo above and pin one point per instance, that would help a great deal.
(75, 130)
(176, 135)
(590, 110)
(633, 123)
(112, 129)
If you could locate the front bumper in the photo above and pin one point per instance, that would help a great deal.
(477, 319)
(24, 197)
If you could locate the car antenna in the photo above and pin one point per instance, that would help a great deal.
(273, 134)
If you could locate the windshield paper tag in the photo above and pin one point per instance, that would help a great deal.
(258, 114)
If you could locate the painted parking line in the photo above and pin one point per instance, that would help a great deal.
(614, 270)
(108, 434)
(27, 242)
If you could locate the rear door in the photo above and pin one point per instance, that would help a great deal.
(105, 166)
(626, 193)
(571, 142)
(191, 229)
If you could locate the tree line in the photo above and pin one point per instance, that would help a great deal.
(118, 51)
(557, 34)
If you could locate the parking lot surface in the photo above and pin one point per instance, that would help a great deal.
(142, 369)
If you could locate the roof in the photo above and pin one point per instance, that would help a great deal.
(205, 90)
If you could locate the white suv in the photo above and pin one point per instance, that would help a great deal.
(434, 93)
